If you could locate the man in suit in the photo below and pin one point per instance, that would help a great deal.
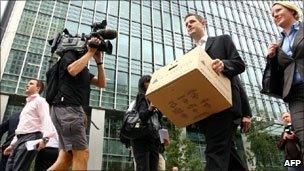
(8, 126)
(45, 157)
(288, 57)
(218, 127)
(244, 121)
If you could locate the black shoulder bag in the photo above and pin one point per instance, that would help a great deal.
(133, 127)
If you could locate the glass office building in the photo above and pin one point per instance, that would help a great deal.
(151, 34)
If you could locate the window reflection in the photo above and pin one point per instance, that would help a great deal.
(89, 4)
(134, 84)
(206, 6)
(213, 8)
(74, 13)
(135, 12)
(122, 82)
(123, 64)
(176, 24)
(113, 7)
(72, 27)
(123, 44)
(221, 10)
(229, 13)
(147, 51)
(124, 9)
(156, 18)
(243, 43)
(167, 21)
(146, 15)
(135, 48)
(124, 26)
(86, 29)
(169, 56)
(110, 77)
(158, 53)
(147, 32)
(101, 6)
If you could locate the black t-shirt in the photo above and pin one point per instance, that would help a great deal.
(74, 91)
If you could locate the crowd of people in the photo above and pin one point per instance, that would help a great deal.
(58, 129)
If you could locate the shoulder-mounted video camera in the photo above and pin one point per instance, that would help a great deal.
(64, 41)
(288, 128)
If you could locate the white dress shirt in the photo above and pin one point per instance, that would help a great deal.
(202, 42)
(35, 117)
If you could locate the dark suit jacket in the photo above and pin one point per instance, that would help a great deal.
(287, 64)
(9, 126)
(222, 47)
(246, 109)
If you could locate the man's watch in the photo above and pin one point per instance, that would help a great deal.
(45, 140)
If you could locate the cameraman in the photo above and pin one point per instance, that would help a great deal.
(67, 110)
(289, 142)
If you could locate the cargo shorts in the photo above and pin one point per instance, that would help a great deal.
(70, 125)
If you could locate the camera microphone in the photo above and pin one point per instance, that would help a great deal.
(107, 34)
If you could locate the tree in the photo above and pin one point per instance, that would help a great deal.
(263, 146)
(181, 152)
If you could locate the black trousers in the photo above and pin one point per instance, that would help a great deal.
(217, 130)
(295, 101)
(235, 162)
(3, 159)
(146, 153)
(46, 158)
(21, 158)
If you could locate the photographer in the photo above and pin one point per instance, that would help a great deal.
(289, 142)
(67, 107)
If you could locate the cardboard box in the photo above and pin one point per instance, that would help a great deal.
(188, 90)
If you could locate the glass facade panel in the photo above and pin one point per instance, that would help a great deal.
(135, 48)
(134, 84)
(158, 53)
(123, 45)
(101, 6)
(135, 12)
(72, 27)
(169, 55)
(89, 4)
(74, 13)
(87, 16)
(86, 29)
(167, 21)
(147, 51)
(157, 18)
(113, 7)
(146, 15)
(122, 82)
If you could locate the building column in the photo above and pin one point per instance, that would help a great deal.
(4, 101)
(10, 33)
(96, 139)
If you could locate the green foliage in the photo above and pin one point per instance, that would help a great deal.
(181, 152)
(263, 145)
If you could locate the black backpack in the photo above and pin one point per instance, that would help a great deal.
(52, 82)
(133, 127)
